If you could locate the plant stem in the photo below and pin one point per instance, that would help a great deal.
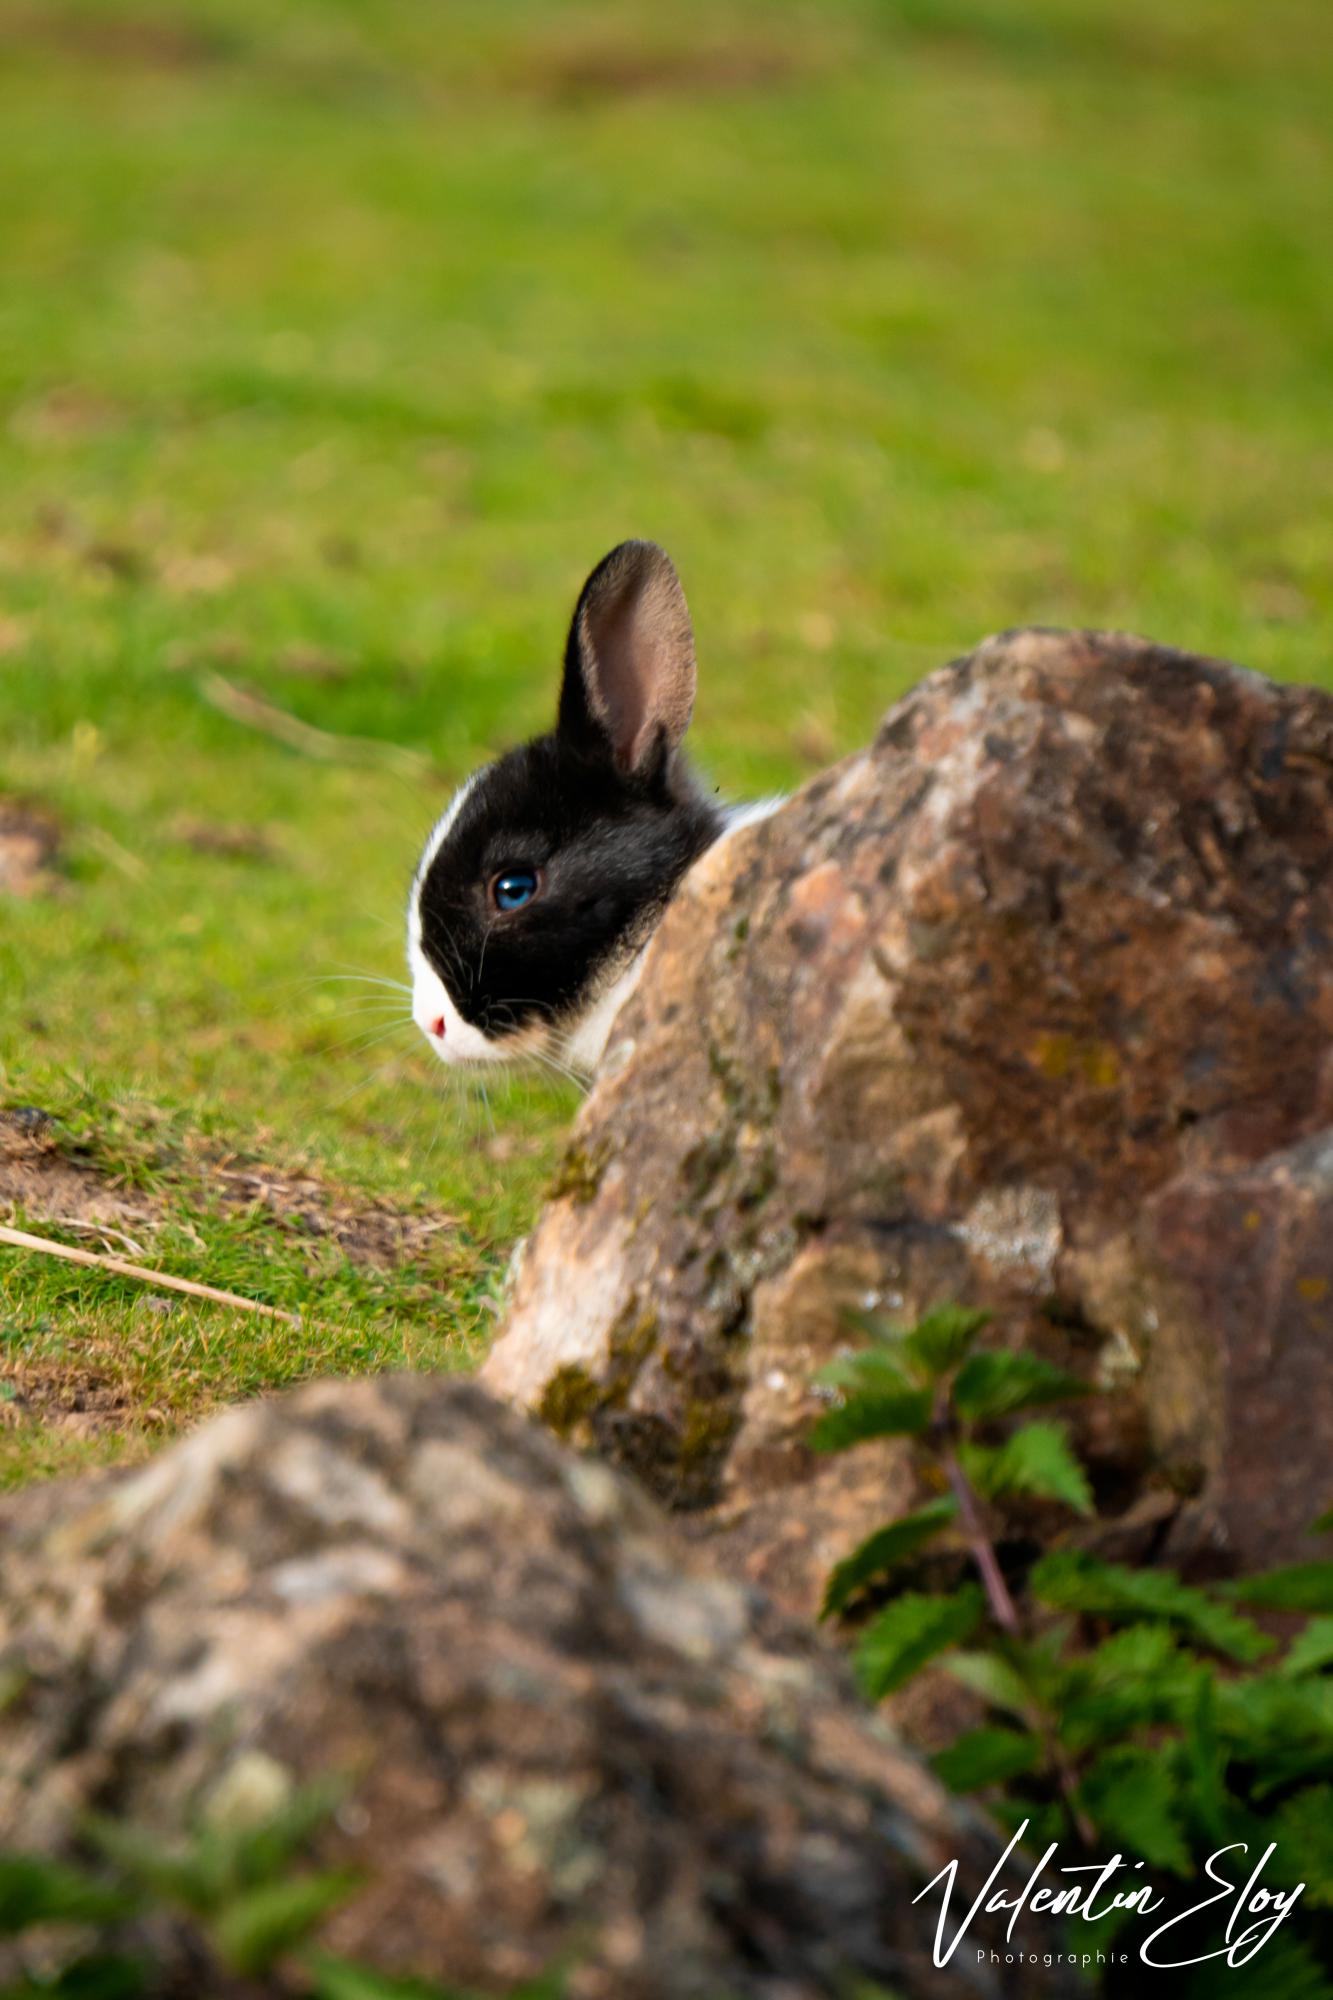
(1068, 1783)
(1005, 1613)
(1003, 1609)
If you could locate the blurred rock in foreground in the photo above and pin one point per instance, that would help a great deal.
(561, 1731)
(1029, 1006)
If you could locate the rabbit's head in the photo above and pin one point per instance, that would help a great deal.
(543, 879)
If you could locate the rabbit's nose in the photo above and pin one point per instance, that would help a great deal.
(437, 1027)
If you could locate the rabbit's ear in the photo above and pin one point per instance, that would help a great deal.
(629, 664)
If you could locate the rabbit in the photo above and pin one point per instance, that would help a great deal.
(544, 879)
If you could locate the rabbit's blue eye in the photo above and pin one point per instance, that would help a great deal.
(514, 888)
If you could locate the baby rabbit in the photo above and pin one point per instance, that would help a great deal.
(540, 886)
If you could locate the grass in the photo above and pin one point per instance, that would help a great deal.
(337, 342)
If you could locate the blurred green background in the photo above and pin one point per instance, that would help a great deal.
(339, 338)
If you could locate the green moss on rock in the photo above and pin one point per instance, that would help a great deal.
(704, 1164)
(579, 1174)
(632, 1340)
(569, 1399)
(708, 1427)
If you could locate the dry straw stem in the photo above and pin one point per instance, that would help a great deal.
(21, 1240)
(255, 713)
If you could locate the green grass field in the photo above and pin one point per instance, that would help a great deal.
(338, 340)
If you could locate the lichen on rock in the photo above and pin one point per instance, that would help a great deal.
(553, 1732)
(990, 1012)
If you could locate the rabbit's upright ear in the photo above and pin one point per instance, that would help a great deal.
(629, 664)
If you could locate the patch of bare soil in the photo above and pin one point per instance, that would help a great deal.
(606, 70)
(231, 842)
(47, 1179)
(70, 1399)
(29, 848)
(373, 1233)
(64, 413)
(312, 663)
(37, 1176)
(121, 41)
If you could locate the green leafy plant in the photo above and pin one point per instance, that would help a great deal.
(244, 1891)
(340, 1979)
(1122, 1707)
(36, 1893)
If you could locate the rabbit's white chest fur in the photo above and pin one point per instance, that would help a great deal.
(587, 1043)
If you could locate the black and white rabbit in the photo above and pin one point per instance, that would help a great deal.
(544, 879)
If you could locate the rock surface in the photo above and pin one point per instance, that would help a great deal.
(562, 1732)
(1225, 1285)
(1024, 1006)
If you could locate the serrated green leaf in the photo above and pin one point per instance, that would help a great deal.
(876, 1325)
(1130, 1796)
(1072, 1580)
(258, 1926)
(944, 1337)
(1140, 1652)
(994, 1679)
(1205, 1761)
(885, 1336)
(872, 1369)
(1281, 1726)
(102, 1976)
(1285, 1969)
(35, 1890)
(260, 1852)
(1037, 1459)
(990, 1756)
(994, 1385)
(879, 1553)
(343, 1979)
(189, 1877)
(1298, 1587)
(1285, 1768)
(911, 1631)
(550, 1985)
(871, 1414)
(99, 1976)
(1284, 1706)
(1302, 1826)
(1311, 1649)
(1139, 1678)
(1091, 1720)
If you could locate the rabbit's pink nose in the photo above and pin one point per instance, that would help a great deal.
(437, 1027)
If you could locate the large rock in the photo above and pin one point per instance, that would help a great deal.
(1022, 1006)
(562, 1733)
(1225, 1284)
